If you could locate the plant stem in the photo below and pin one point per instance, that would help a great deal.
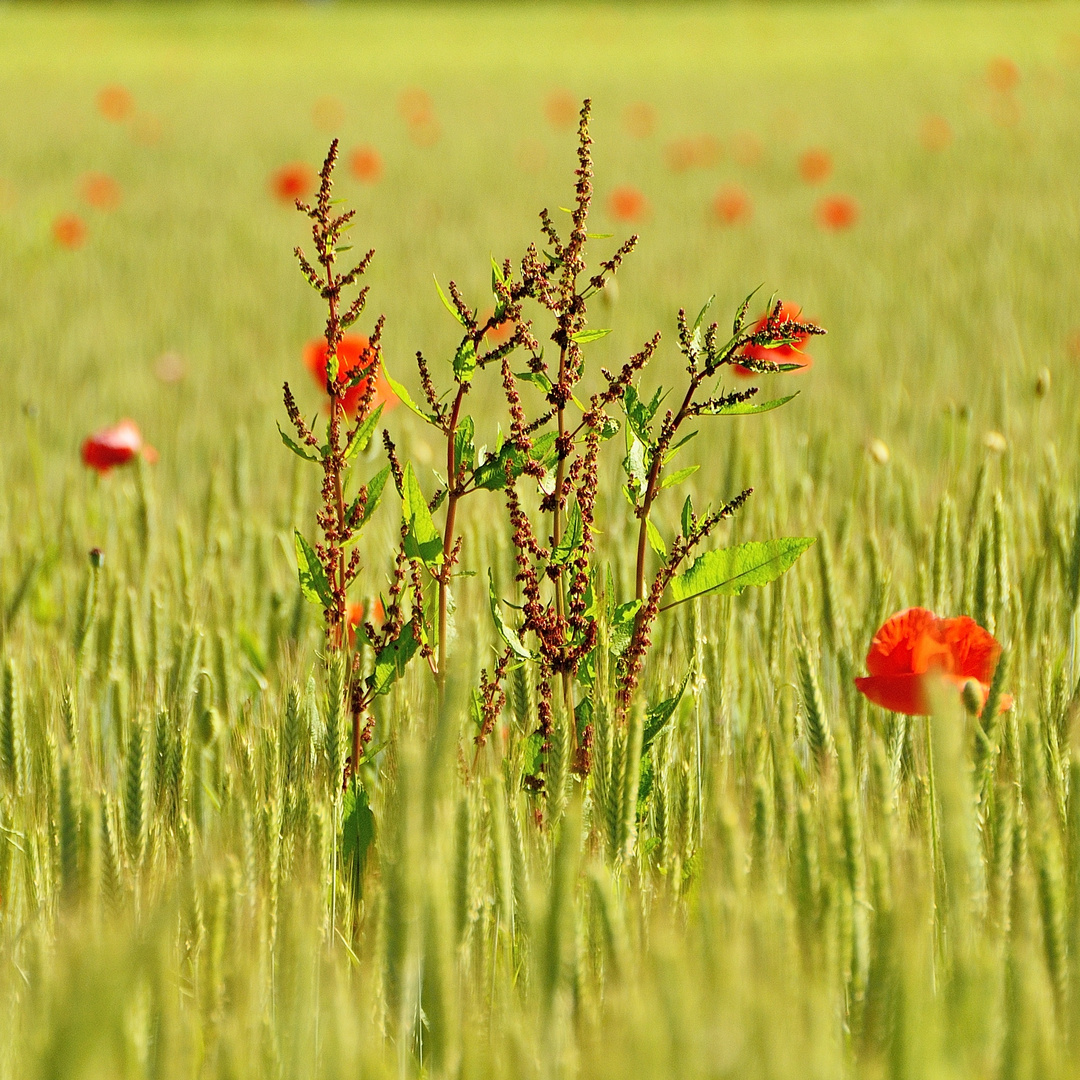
(452, 497)
(556, 531)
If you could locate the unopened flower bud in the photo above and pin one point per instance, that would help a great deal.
(972, 697)
(97, 558)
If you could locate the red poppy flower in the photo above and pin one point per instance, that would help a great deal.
(354, 617)
(292, 182)
(732, 205)
(561, 109)
(627, 204)
(415, 105)
(693, 152)
(354, 352)
(936, 133)
(815, 165)
(500, 333)
(914, 645)
(781, 354)
(115, 103)
(116, 445)
(1002, 74)
(69, 231)
(837, 212)
(366, 164)
(100, 191)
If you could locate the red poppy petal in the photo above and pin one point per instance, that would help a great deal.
(974, 650)
(897, 693)
(892, 650)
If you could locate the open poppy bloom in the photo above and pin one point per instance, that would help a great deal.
(116, 445)
(354, 617)
(354, 352)
(781, 354)
(627, 204)
(69, 231)
(915, 646)
(292, 182)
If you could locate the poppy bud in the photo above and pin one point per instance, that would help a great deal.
(972, 697)
(97, 558)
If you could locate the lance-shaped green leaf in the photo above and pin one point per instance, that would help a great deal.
(392, 660)
(446, 302)
(491, 474)
(636, 467)
(362, 436)
(679, 476)
(299, 451)
(695, 337)
(686, 519)
(403, 396)
(745, 408)
(621, 626)
(422, 540)
(656, 541)
(728, 571)
(357, 832)
(507, 633)
(375, 487)
(571, 538)
(309, 570)
(640, 413)
(656, 716)
(583, 337)
(464, 450)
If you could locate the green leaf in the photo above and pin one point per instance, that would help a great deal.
(679, 476)
(749, 408)
(583, 337)
(464, 450)
(362, 437)
(533, 754)
(687, 516)
(446, 302)
(600, 235)
(507, 633)
(621, 628)
(571, 538)
(656, 541)
(404, 398)
(728, 571)
(465, 361)
(312, 577)
(639, 413)
(307, 455)
(422, 540)
(375, 488)
(609, 428)
(357, 832)
(636, 468)
(496, 274)
(658, 715)
(491, 474)
(695, 337)
(537, 378)
(392, 660)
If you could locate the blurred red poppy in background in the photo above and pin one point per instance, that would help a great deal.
(837, 212)
(1002, 74)
(415, 105)
(914, 645)
(354, 617)
(100, 191)
(936, 134)
(366, 164)
(116, 445)
(693, 152)
(640, 119)
(627, 204)
(115, 103)
(732, 205)
(354, 353)
(561, 109)
(292, 182)
(815, 165)
(782, 354)
(69, 231)
(500, 333)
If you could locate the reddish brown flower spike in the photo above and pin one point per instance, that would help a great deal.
(116, 445)
(915, 646)
(353, 352)
(781, 354)
(292, 182)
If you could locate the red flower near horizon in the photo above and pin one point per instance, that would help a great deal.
(115, 103)
(936, 134)
(116, 445)
(101, 191)
(1002, 74)
(292, 182)
(781, 354)
(815, 166)
(354, 617)
(366, 164)
(732, 205)
(837, 212)
(627, 204)
(354, 352)
(69, 231)
(914, 646)
(561, 109)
